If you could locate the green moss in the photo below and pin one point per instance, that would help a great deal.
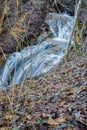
(38, 122)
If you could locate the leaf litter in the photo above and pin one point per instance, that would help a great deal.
(54, 101)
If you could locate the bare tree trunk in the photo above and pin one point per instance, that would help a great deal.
(73, 31)
(2, 12)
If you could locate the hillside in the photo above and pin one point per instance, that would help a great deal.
(56, 100)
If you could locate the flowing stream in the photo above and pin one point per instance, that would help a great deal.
(38, 59)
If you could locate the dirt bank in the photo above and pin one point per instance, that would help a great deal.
(55, 101)
(25, 30)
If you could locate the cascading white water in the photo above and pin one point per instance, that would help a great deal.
(40, 58)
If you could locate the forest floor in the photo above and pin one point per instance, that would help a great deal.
(54, 101)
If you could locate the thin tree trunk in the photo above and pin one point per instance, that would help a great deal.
(2, 12)
(72, 33)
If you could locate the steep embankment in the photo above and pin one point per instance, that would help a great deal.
(57, 100)
(24, 30)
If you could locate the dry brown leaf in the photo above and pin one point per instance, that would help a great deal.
(55, 122)
(29, 117)
(52, 122)
(79, 78)
(44, 115)
(62, 115)
(69, 93)
(69, 128)
(61, 104)
(4, 128)
(8, 117)
(60, 120)
(83, 88)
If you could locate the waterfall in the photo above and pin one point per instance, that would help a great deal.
(38, 59)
